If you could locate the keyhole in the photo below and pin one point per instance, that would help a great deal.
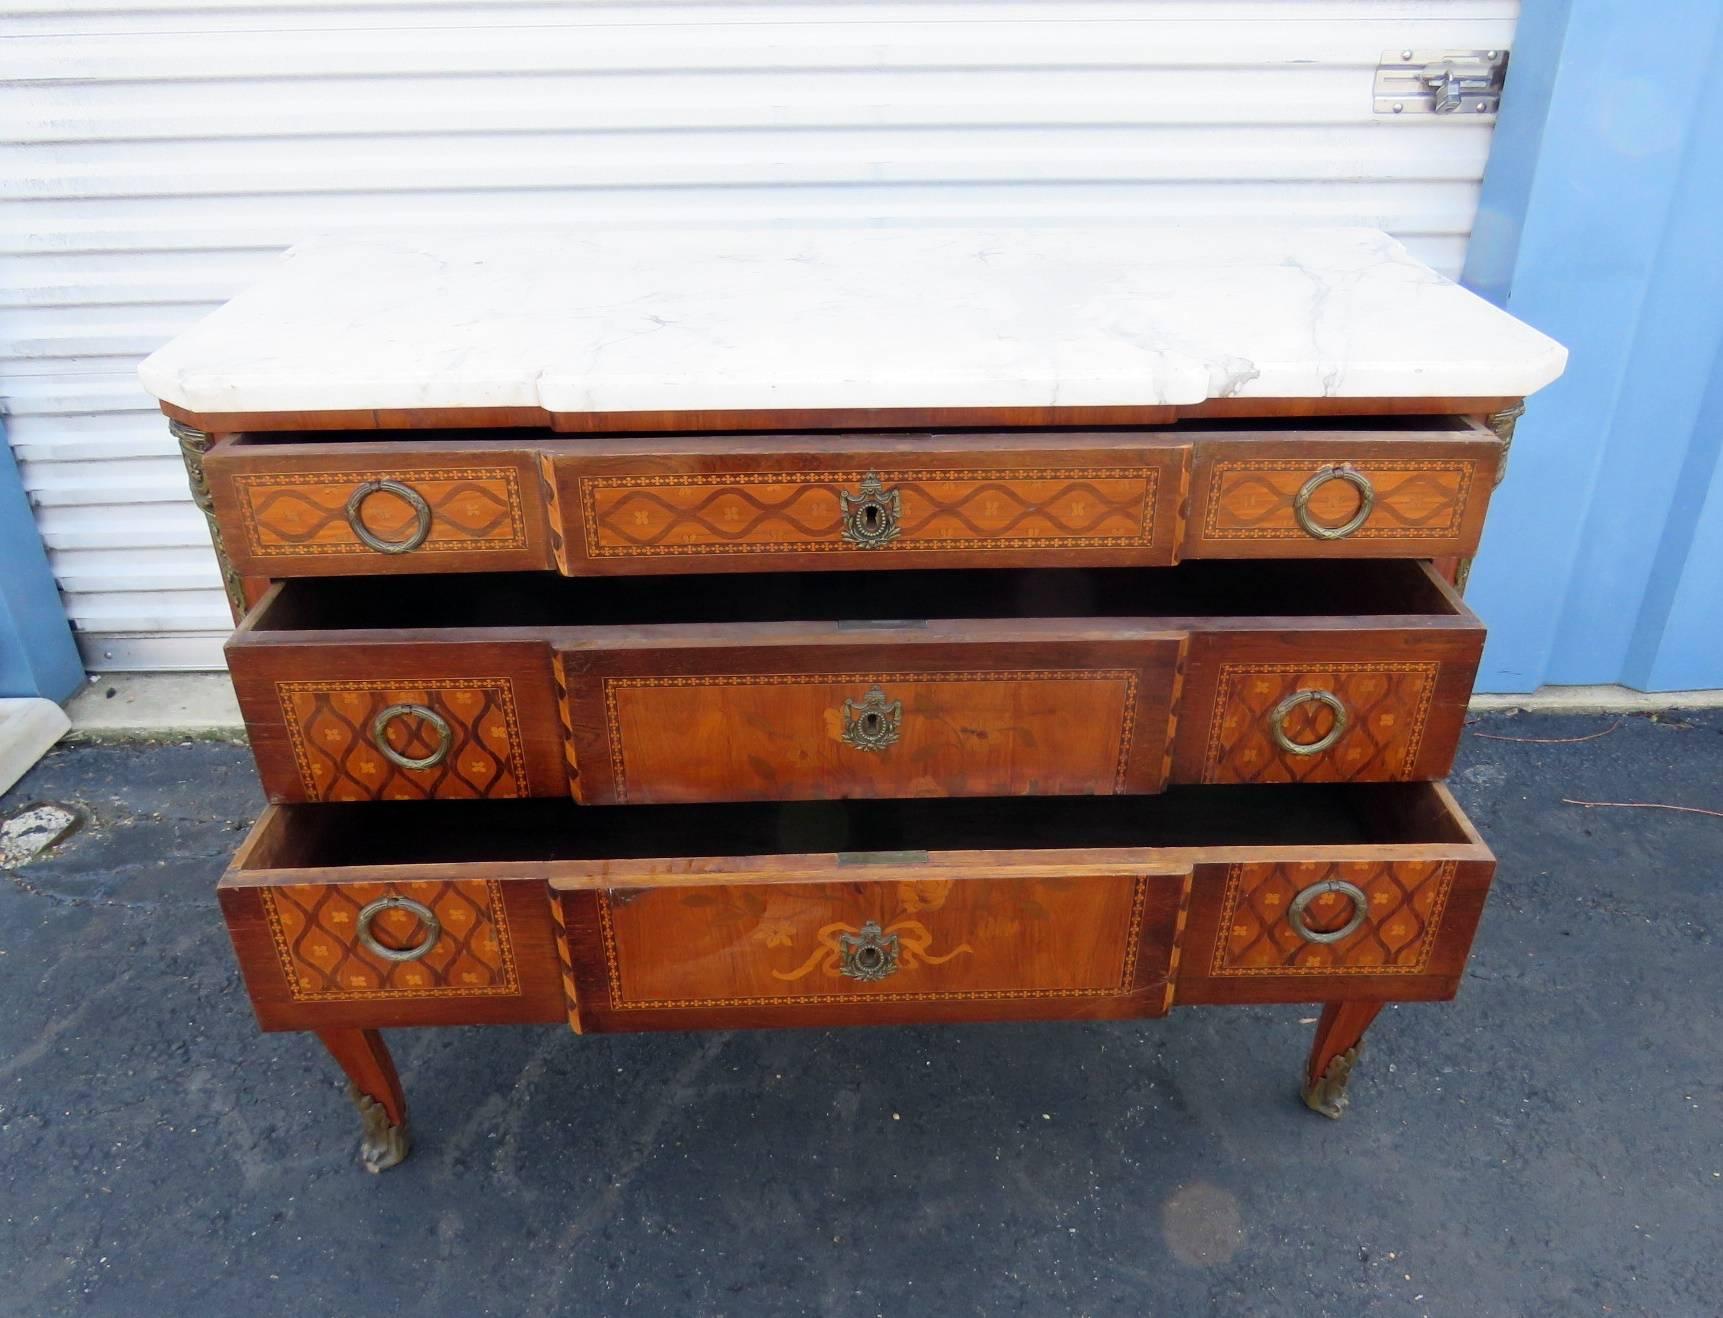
(870, 517)
(870, 725)
(870, 958)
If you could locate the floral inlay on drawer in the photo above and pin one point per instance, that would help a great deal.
(1342, 722)
(393, 512)
(765, 736)
(807, 943)
(405, 741)
(813, 511)
(351, 941)
(1328, 918)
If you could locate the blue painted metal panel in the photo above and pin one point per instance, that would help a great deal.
(37, 655)
(1598, 226)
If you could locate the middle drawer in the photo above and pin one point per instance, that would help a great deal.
(799, 686)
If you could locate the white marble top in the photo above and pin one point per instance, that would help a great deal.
(651, 320)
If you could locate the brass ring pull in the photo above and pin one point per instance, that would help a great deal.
(1341, 472)
(413, 499)
(869, 954)
(873, 724)
(1277, 722)
(380, 729)
(433, 928)
(870, 516)
(1295, 912)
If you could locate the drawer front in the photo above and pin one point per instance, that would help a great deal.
(370, 741)
(1315, 722)
(460, 948)
(891, 725)
(326, 952)
(319, 510)
(401, 722)
(679, 504)
(692, 917)
(875, 510)
(1297, 498)
(1377, 705)
(1084, 944)
(1392, 926)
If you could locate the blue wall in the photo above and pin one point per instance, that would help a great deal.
(1602, 224)
(37, 654)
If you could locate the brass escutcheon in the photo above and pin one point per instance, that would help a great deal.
(870, 515)
(380, 729)
(1295, 912)
(423, 913)
(869, 954)
(414, 500)
(1340, 472)
(872, 725)
(1277, 722)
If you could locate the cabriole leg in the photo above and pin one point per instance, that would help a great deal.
(1339, 1037)
(376, 1091)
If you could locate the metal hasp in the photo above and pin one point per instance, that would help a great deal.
(1465, 82)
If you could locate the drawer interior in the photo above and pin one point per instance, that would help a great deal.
(1210, 589)
(411, 833)
(1411, 426)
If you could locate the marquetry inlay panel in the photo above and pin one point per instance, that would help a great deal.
(315, 927)
(953, 940)
(1253, 499)
(768, 736)
(329, 727)
(800, 512)
(300, 513)
(1386, 709)
(1405, 903)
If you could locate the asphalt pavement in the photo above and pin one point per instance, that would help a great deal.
(1550, 1143)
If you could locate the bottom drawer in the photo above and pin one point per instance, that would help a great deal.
(681, 917)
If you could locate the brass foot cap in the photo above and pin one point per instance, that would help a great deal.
(382, 1144)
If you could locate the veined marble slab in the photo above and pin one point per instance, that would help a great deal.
(615, 321)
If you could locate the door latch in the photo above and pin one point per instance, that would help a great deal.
(1440, 81)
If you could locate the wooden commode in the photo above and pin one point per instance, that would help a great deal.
(719, 587)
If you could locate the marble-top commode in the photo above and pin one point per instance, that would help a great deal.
(584, 321)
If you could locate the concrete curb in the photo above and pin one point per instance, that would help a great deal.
(156, 705)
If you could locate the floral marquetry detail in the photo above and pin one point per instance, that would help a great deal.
(316, 930)
(332, 728)
(1404, 900)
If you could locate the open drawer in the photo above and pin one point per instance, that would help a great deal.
(330, 503)
(802, 686)
(681, 917)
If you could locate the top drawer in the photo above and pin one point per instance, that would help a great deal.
(492, 501)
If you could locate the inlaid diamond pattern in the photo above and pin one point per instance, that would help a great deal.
(316, 931)
(304, 513)
(329, 727)
(1253, 500)
(1406, 899)
(783, 511)
(1386, 707)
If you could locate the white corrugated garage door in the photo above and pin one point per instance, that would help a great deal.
(157, 156)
